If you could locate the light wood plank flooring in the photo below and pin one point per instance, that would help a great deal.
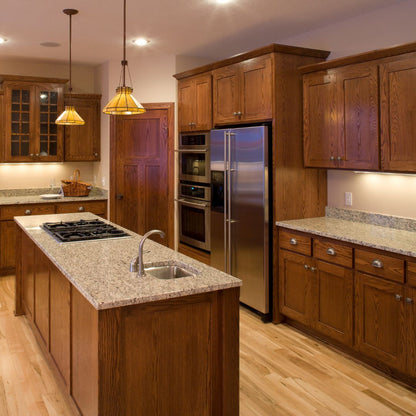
(283, 373)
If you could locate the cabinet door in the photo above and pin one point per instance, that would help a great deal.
(82, 143)
(7, 245)
(226, 94)
(398, 115)
(28, 270)
(60, 316)
(203, 103)
(410, 303)
(295, 286)
(42, 294)
(333, 302)
(186, 104)
(380, 319)
(320, 120)
(358, 116)
(256, 89)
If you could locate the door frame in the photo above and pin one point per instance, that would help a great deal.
(170, 107)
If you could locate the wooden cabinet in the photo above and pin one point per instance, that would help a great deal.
(195, 103)
(398, 114)
(28, 276)
(7, 246)
(243, 92)
(341, 118)
(82, 143)
(96, 207)
(31, 106)
(410, 305)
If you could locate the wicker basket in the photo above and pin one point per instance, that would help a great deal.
(74, 187)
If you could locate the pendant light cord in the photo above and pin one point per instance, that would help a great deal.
(124, 62)
(70, 58)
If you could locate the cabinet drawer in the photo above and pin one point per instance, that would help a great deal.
(380, 265)
(332, 252)
(411, 273)
(96, 207)
(295, 242)
(10, 211)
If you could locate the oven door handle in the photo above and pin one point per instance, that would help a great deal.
(191, 151)
(192, 204)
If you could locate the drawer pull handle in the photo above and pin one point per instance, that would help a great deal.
(377, 264)
(398, 297)
(306, 267)
(409, 300)
(28, 212)
(81, 209)
(293, 242)
(330, 251)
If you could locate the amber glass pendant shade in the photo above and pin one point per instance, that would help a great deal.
(123, 103)
(70, 117)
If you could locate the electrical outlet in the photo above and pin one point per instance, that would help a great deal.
(348, 198)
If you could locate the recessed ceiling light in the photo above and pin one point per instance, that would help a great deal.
(141, 41)
(2, 39)
(50, 44)
(223, 1)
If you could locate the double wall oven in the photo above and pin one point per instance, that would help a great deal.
(194, 193)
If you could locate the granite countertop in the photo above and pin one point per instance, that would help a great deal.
(32, 196)
(100, 269)
(394, 234)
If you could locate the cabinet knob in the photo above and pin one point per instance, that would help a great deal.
(306, 267)
(331, 158)
(81, 209)
(95, 154)
(32, 155)
(119, 196)
(293, 242)
(28, 212)
(398, 297)
(377, 264)
(339, 158)
(330, 251)
(313, 269)
(37, 154)
(409, 300)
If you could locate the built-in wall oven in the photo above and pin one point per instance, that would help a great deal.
(194, 206)
(194, 157)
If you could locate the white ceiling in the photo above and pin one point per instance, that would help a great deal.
(180, 27)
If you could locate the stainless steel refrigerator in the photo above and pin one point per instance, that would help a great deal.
(240, 210)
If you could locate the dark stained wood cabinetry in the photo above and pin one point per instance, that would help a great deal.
(195, 103)
(243, 92)
(82, 143)
(341, 118)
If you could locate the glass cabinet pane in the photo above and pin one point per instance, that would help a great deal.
(20, 127)
(48, 113)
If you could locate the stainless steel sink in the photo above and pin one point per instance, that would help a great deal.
(169, 271)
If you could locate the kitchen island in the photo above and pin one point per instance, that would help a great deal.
(124, 345)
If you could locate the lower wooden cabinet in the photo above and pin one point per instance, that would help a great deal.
(28, 277)
(7, 245)
(410, 305)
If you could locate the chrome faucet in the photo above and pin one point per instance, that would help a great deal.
(137, 265)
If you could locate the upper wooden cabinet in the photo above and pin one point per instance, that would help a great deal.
(30, 108)
(82, 143)
(195, 103)
(242, 92)
(341, 118)
(398, 114)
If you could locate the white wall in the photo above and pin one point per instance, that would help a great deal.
(389, 194)
(39, 175)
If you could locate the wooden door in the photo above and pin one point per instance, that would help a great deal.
(142, 171)
(82, 143)
(256, 89)
(358, 116)
(380, 319)
(398, 115)
(410, 304)
(7, 246)
(320, 120)
(333, 302)
(295, 286)
(226, 94)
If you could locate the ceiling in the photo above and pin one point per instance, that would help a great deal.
(192, 27)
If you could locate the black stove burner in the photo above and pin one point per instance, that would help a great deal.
(82, 230)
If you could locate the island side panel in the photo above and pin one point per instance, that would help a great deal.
(18, 310)
(171, 357)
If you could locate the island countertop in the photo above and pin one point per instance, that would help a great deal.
(99, 269)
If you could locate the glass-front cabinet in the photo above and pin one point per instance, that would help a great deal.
(30, 111)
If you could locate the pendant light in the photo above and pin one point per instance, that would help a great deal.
(123, 103)
(70, 117)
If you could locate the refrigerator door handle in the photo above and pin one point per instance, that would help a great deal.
(225, 200)
(229, 201)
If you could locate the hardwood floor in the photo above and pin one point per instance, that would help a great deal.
(282, 373)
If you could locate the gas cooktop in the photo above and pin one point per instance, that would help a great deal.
(82, 230)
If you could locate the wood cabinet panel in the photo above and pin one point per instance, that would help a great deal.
(42, 294)
(7, 246)
(333, 297)
(398, 115)
(410, 305)
(60, 322)
(7, 212)
(82, 143)
(195, 253)
(96, 207)
(380, 265)
(411, 273)
(380, 320)
(332, 252)
(226, 94)
(295, 242)
(28, 275)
